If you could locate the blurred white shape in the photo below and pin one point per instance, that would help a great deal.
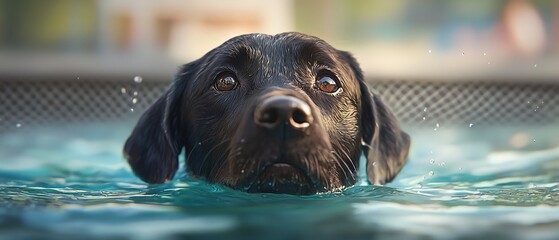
(138, 79)
(525, 27)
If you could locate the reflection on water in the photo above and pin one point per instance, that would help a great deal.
(73, 182)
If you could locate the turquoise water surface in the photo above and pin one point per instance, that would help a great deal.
(70, 182)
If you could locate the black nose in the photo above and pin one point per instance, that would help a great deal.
(290, 111)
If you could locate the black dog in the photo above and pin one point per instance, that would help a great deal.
(283, 114)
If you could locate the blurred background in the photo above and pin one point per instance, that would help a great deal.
(435, 39)
(434, 61)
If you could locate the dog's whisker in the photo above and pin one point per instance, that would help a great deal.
(349, 159)
(193, 149)
(312, 166)
(216, 172)
(316, 160)
(339, 165)
(199, 143)
(205, 159)
(321, 172)
(350, 169)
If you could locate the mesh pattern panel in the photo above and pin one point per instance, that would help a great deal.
(31, 103)
(418, 103)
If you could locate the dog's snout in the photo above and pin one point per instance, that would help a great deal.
(277, 110)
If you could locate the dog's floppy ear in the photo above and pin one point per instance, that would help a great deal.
(153, 147)
(386, 145)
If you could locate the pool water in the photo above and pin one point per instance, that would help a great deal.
(461, 182)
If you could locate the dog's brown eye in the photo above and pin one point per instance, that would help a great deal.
(226, 82)
(327, 84)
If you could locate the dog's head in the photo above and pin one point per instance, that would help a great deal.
(286, 114)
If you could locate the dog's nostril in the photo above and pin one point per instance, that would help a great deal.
(300, 119)
(269, 116)
(299, 116)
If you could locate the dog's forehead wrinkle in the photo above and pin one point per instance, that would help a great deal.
(275, 58)
(253, 53)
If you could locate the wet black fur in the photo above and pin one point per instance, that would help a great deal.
(222, 144)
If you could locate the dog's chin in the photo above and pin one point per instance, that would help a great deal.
(283, 178)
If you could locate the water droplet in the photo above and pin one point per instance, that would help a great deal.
(134, 100)
(431, 161)
(442, 164)
(435, 129)
(431, 173)
(463, 53)
(471, 124)
(199, 143)
(18, 125)
(534, 140)
(243, 171)
(135, 93)
(429, 50)
(131, 109)
(374, 164)
(138, 79)
(419, 185)
(437, 125)
(460, 169)
(123, 90)
(424, 118)
(484, 54)
(425, 109)
(528, 101)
